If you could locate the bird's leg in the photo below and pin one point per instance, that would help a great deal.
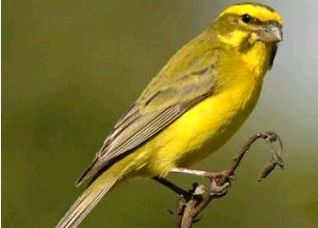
(190, 171)
(214, 177)
(173, 187)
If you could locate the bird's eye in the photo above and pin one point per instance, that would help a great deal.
(246, 18)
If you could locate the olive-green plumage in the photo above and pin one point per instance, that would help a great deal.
(191, 108)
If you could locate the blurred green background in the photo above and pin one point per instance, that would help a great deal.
(71, 68)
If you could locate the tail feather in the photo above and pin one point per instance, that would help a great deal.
(88, 173)
(86, 202)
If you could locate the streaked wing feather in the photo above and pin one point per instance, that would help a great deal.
(149, 126)
(127, 119)
(144, 120)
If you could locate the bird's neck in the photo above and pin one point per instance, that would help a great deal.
(257, 58)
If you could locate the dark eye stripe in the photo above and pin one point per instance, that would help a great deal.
(254, 21)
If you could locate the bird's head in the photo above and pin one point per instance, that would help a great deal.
(244, 24)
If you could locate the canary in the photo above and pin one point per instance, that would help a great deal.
(196, 102)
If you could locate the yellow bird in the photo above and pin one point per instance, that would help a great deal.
(193, 106)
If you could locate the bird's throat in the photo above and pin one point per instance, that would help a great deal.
(257, 58)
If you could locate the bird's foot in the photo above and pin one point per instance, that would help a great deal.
(220, 183)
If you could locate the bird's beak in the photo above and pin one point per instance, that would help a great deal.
(270, 33)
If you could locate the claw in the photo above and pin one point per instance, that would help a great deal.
(219, 190)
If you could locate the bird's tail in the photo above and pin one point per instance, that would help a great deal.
(88, 200)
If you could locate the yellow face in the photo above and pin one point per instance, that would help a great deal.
(249, 21)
